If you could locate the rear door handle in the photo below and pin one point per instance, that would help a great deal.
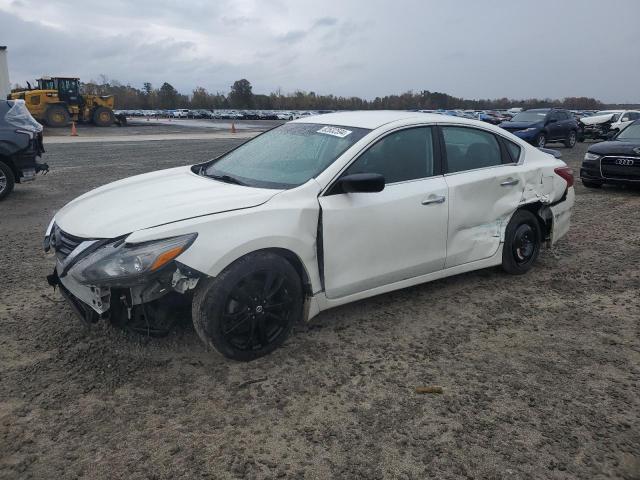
(434, 199)
(510, 182)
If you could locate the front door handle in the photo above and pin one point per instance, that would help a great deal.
(434, 199)
(510, 182)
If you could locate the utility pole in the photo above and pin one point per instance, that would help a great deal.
(5, 86)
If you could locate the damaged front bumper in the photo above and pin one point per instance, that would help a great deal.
(110, 279)
(124, 305)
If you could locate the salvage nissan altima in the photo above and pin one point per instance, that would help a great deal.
(316, 213)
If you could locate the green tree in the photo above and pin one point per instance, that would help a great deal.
(168, 96)
(241, 94)
(200, 98)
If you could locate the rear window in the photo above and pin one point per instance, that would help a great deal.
(514, 150)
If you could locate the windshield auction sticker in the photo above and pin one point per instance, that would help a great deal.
(335, 131)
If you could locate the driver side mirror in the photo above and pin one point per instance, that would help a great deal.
(611, 135)
(360, 183)
(552, 120)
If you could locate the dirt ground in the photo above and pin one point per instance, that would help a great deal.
(541, 373)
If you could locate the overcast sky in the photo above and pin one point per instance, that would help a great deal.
(367, 48)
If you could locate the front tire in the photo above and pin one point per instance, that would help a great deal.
(522, 241)
(571, 139)
(541, 140)
(7, 180)
(249, 309)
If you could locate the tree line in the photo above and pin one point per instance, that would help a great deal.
(241, 96)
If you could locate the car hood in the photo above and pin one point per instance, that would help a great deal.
(519, 125)
(615, 147)
(594, 120)
(153, 199)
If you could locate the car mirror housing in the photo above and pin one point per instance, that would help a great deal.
(361, 183)
(552, 120)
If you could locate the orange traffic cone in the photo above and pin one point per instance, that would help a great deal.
(74, 132)
(233, 127)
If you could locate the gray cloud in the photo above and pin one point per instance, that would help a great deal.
(473, 49)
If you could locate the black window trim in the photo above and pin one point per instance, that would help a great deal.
(438, 163)
(505, 156)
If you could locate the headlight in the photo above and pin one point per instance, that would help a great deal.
(591, 157)
(125, 264)
(47, 235)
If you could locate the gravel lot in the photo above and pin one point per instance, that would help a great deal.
(541, 373)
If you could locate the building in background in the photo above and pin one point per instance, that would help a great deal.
(5, 86)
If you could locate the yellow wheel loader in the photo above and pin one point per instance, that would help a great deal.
(56, 101)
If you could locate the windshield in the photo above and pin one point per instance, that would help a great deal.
(286, 156)
(632, 132)
(529, 117)
(18, 116)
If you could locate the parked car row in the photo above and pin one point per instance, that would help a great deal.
(223, 114)
(543, 125)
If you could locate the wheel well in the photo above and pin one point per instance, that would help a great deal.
(544, 216)
(295, 261)
(8, 161)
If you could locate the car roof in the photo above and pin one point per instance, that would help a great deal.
(372, 119)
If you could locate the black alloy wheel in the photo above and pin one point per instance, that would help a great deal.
(249, 309)
(257, 311)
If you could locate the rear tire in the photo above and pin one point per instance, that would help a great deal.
(571, 139)
(522, 241)
(103, 117)
(249, 309)
(590, 184)
(57, 116)
(7, 180)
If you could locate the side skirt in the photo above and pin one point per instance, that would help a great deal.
(320, 302)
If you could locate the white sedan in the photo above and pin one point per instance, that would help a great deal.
(316, 213)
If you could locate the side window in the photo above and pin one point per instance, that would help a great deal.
(514, 150)
(470, 148)
(555, 116)
(400, 156)
(634, 115)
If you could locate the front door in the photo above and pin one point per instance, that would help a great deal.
(375, 239)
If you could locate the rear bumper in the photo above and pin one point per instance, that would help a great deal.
(562, 216)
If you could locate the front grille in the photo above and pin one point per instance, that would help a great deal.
(64, 243)
(611, 168)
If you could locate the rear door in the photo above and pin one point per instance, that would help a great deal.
(375, 239)
(485, 188)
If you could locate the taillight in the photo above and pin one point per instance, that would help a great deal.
(566, 173)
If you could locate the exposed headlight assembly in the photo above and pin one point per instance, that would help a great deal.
(591, 157)
(122, 264)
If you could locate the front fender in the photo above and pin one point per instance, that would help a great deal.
(288, 221)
